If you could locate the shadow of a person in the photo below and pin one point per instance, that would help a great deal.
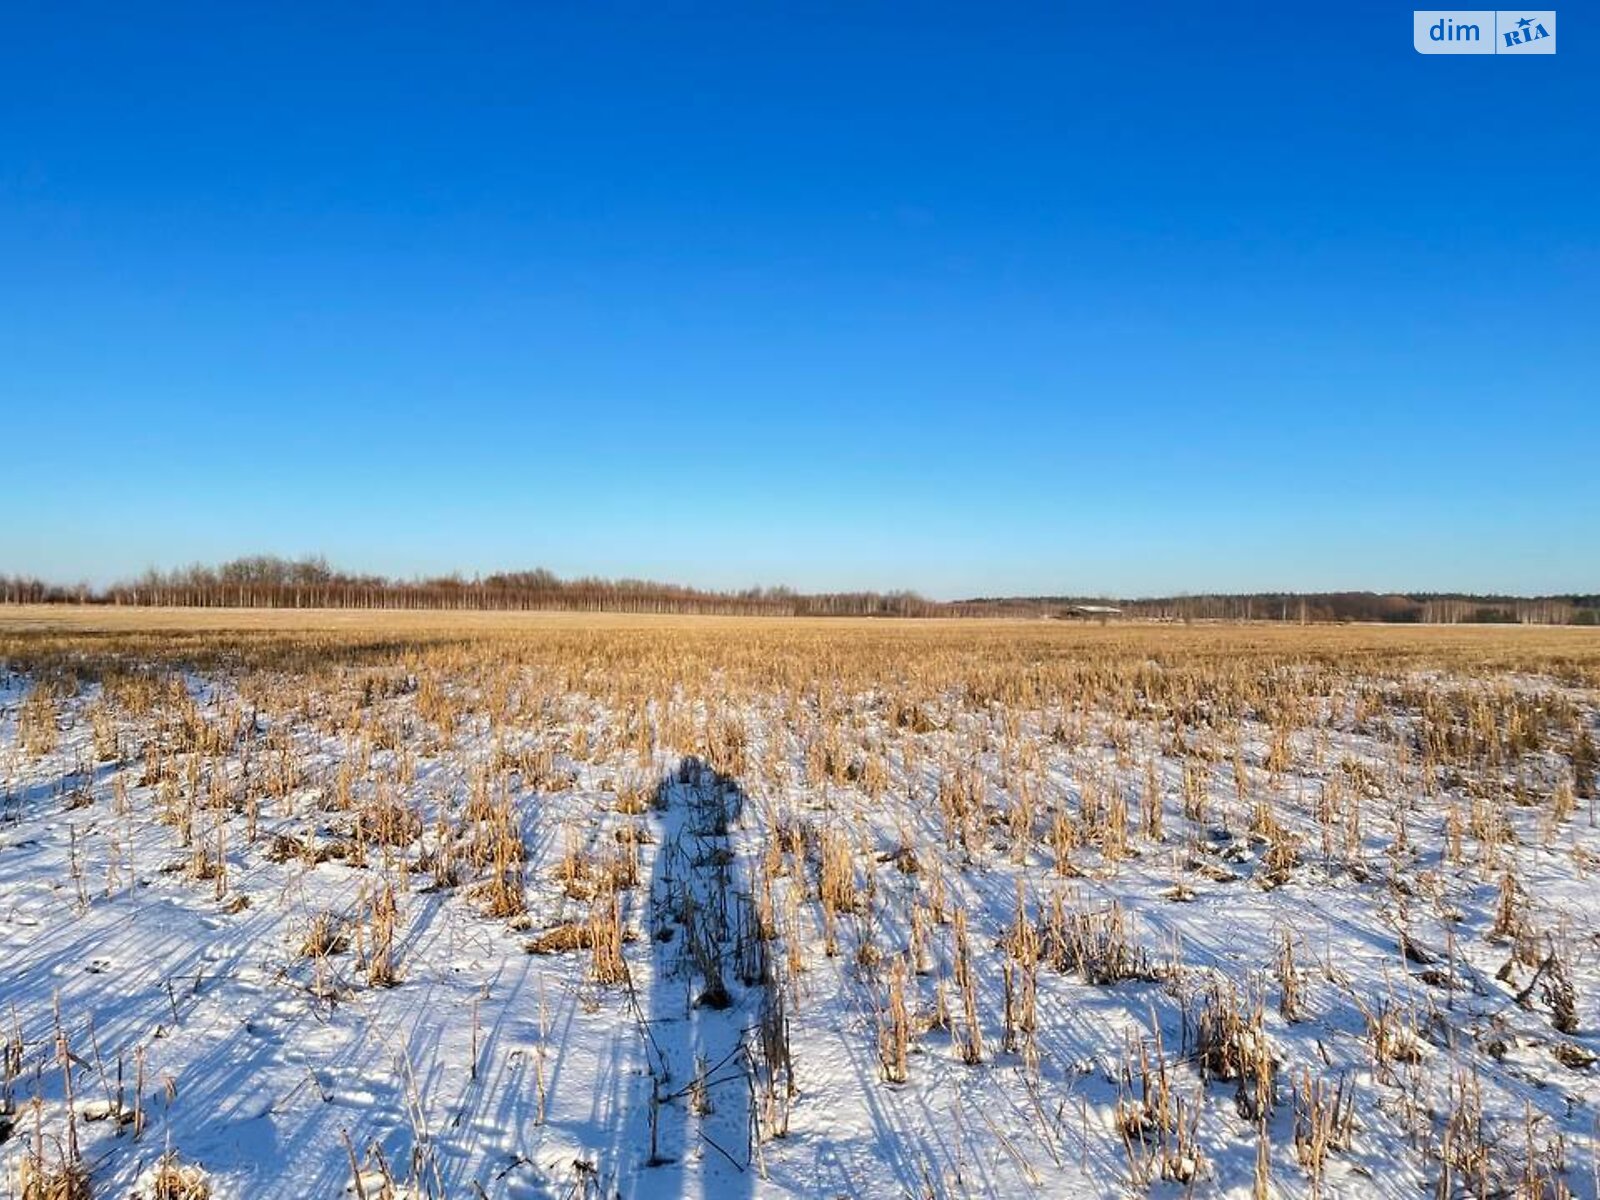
(707, 986)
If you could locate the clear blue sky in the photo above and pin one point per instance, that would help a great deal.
(972, 299)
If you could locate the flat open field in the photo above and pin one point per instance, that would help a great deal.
(315, 904)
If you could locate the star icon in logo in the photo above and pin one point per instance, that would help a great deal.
(1525, 22)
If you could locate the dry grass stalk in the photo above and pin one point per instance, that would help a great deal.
(173, 1179)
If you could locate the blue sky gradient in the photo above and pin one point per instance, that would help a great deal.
(974, 300)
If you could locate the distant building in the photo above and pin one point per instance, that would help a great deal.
(1098, 612)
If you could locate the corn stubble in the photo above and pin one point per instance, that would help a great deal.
(942, 823)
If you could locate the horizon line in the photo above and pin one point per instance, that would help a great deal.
(314, 570)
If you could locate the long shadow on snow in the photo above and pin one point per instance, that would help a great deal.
(704, 1000)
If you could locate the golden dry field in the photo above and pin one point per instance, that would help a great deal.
(428, 904)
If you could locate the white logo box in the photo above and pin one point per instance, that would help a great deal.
(1484, 31)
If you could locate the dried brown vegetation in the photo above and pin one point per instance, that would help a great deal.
(1278, 886)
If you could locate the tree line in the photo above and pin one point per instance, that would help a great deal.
(266, 581)
(1387, 608)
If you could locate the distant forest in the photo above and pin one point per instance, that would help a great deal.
(264, 581)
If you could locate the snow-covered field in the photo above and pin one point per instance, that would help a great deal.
(717, 910)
